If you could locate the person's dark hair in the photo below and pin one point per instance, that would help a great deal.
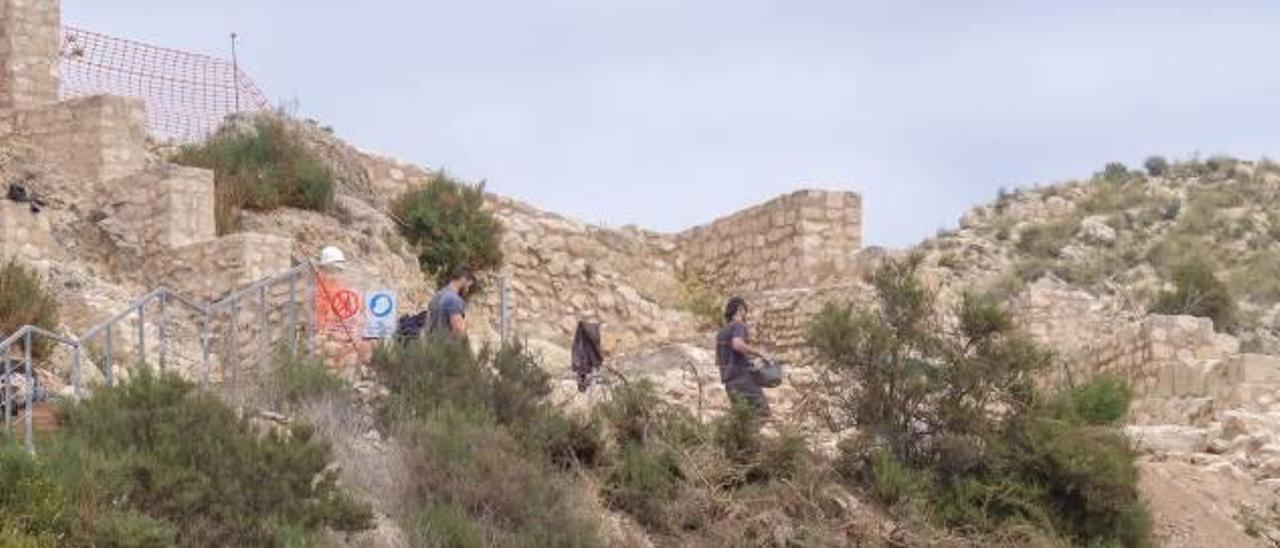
(462, 272)
(732, 307)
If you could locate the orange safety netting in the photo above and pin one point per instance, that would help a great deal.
(187, 94)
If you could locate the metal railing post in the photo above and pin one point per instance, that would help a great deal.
(8, 392)
(110, 357)
(164, 329)
(311, 313)
(31, 396)
(75, 371)
(263, 334)
(205, 341)
(293, 316)
(142, 330)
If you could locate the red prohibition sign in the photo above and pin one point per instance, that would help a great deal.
(346, 304)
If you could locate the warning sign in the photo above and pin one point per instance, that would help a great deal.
(337, 308)
(379, 314)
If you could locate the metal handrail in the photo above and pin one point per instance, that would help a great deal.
(163, 295)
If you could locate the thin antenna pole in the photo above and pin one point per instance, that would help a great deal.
(235, 70)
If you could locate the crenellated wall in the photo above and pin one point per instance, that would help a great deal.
(797, 240)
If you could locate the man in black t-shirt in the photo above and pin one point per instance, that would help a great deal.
(733, 356)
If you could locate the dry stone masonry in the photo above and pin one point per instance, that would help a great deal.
(797, 240)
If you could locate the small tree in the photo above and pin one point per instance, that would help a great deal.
(1156, 166)
(1198, 292)
(1115, 171)
(900, 374)
(951, 421)
(448, 223)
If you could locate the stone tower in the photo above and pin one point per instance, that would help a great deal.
(30, 39)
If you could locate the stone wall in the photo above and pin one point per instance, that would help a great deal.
(30, 39)
(92, 138)
(560, 271)
(26, 235)
(208, 270)
(797, 240)
(166, 206)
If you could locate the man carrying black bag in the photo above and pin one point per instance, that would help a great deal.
(733, 357)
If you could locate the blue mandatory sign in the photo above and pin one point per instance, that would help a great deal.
(379, 314)
(381, 304)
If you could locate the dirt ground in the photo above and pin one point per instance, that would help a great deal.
(1198, 506)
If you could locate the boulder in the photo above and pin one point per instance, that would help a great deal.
(1094, 230)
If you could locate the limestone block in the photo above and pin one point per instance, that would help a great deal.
(91, 138)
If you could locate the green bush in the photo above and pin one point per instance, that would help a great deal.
(448, 222)
(152, 462)
(263, 169)
(1115, 171)
(1102, 401)
(1156, 166)
(1047, 240)
(922, 397)
(1198, 292)
(488, 452)
(449, 527)
(302, 378)
(25, 300)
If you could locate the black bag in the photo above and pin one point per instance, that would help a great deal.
(409, 326)
(768, 374)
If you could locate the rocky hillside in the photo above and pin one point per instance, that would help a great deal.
(1085, 261)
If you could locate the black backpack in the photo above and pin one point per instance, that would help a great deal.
(409, 326)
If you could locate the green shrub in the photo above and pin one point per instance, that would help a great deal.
(1102, 401)
(891, 480)
(737, 432)
(448, 222)
(1115, 171)
(1198, 292)
(1156, 166)
(1047, 240)
(488, 452)
(26, 300)
(263, 169)
(151, 462)
(447, 526)
(922, 397)
(302, 378)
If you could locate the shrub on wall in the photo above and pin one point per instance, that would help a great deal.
(448, 223)
(25, 300)
(263, 168)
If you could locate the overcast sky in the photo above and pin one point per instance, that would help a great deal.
(669, 113)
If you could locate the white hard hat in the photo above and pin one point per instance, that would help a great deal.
(332, 256)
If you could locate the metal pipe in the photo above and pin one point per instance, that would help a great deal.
(75, 371)
(311, 314)
(8, 391)
(293, 316)
(205, 341)
(110, 357)
(31, 398)
(164, 329)
(142, 329)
